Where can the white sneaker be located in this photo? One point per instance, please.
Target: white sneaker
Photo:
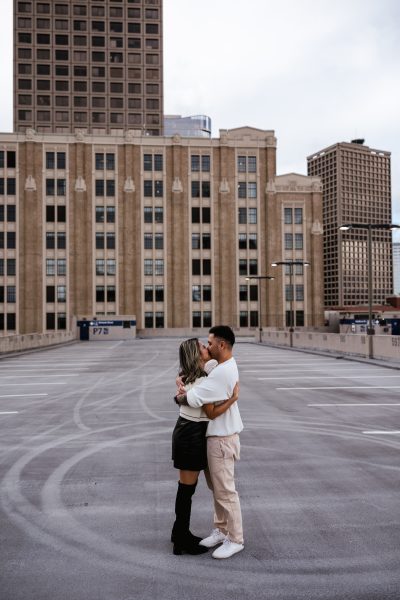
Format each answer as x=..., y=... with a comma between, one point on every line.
x=227, y=549
x=212, y=540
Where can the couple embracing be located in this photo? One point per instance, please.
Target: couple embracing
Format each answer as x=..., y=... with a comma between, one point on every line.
x=206, y=437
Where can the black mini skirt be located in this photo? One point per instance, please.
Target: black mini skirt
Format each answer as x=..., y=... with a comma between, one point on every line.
x=189, y=445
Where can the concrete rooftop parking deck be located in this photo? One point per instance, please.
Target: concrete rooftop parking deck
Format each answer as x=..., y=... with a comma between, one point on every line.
x=87, y=486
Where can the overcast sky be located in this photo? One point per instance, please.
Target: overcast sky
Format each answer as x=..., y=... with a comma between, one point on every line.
x=315, y=71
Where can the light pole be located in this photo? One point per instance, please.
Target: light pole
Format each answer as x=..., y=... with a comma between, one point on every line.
x=290, y=264
x=369, y=227
x=259, y=278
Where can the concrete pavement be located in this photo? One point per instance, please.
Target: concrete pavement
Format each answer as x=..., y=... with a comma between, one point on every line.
x=87, y=486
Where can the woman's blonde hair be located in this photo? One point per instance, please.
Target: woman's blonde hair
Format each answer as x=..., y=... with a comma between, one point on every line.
x=190, y=361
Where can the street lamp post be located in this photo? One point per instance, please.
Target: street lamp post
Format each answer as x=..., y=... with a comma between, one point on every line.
x=369, y=227
x=259, y=278
x=290, y=264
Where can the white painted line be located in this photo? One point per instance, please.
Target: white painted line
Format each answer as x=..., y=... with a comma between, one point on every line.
x=35, y=383
x=382, y=432
x=21, y=395
x=10, y=412
x=37, y=376
x=358, y=404
x=333, y=377
x=346, y=387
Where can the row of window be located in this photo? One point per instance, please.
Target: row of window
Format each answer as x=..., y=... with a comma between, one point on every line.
x=298, y=241
x=7, y=186
x=56, y=293
x=8, y=213
x=82, y=41
x=83, y=101
x=78, y=25
x=81, y=86
x=158, y=242
x=105, y=240
x=8, y=322
x=56, y=320
x=105, y=293
x=56, y=266
x=154, y=293
x=8, y=294
x=8, y=267
x=293, y=216
x=79, y=9
x=105, y=267
x=152, y=319
x=154, y=267
x=8, y=240
x=56, y=240
x=7, y=159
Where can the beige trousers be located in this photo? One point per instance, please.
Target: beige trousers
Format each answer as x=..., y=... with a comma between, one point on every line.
x=222, y=451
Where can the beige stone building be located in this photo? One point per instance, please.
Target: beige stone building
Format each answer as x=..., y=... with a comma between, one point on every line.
x=356, y=189
x=97, y=66
x=164, y=228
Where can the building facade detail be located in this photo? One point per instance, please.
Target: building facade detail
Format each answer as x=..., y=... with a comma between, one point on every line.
x=178, y=252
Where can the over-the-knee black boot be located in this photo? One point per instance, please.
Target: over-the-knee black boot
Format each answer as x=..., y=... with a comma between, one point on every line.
x=182, y=538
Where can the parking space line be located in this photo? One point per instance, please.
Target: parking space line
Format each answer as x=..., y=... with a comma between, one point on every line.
x=358, y=404
x=9, y=412
x=35, y=383
x=21, y=395
x=344, y=387
x=381, y=432
x=350, y=376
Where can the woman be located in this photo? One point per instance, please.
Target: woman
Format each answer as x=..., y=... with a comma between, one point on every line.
x=189, y=446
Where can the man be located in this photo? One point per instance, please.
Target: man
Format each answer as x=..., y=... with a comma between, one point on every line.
x=223, y=444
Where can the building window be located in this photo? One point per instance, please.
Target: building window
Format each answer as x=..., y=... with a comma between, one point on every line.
x=196, y=318
x=110, y=237
x=242, y=216
x=148, y=241
x=252, y=215
x=196, y=293
x=148, y=266
x=148, y=214
x=100, y=293
x=158, y=214
x=148, y=320
x=243, y=318
x=99, y=240
x=253, y=268
x=288, y=241
x=288, y=216
x=100, y=266
x=300, y=292
x=195, y=241
x=298, y=241
x=243, y=292
x=298, y=216
x=159, y=266
x=242, y=189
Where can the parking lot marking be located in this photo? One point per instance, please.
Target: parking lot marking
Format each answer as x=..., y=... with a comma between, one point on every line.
x=9, y=412
x=382, y=432
x=35, y=383
x=21, y=395
x=358, y=404
x=345, y=387
x=350, y=376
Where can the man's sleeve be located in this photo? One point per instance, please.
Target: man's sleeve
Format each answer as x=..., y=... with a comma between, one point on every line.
x=208, y=391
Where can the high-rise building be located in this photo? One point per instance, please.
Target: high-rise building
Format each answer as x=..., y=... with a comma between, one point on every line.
x=164, y=228
x=396, y=268
x=356, y=189
x=193, y=126
x=96, y=66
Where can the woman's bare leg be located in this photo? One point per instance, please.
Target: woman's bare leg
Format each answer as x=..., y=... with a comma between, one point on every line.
x=188, y=477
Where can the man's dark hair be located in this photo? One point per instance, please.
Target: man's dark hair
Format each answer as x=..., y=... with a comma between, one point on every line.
x=224, y=332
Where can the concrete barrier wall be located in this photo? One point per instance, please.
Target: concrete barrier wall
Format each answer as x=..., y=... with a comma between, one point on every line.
x=18, y=343
x=189, y=332
x=385, y=347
